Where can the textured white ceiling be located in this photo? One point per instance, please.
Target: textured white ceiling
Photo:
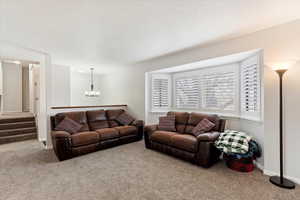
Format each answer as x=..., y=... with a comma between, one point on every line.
x=120, y=32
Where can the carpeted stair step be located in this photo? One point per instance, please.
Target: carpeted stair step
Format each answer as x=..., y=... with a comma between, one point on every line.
x=17, y=138
x=17, y=125
x=19, y=119
x=18, y=131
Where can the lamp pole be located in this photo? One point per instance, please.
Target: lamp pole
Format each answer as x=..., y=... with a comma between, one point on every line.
x=281, y=181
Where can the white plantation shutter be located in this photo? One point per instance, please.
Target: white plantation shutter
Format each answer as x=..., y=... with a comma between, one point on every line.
x=233, y=89
x=160, y=92
x=219, y=90
x=187, y=92
x=250, y=88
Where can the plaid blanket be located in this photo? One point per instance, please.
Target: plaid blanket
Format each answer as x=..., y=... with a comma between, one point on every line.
x=233, y=142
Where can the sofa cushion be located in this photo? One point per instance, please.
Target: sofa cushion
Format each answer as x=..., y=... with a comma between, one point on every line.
x=68, y=125
x=84, y=138
x=195, y=118
x=97, y=119
x=126, y=130
x=108, y=133
x=167, y=123
x=79, y=117
x=163, y=137
x=125, y=118
x=185, y=142
x=181, y=119
x=203, y=126
x=112, y=115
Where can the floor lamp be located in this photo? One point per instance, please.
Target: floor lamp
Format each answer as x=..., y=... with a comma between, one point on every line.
x=280, y=181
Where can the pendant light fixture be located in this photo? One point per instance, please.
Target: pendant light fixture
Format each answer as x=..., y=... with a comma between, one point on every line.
x=92, y=93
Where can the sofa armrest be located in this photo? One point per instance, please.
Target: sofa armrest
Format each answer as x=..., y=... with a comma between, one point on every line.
x=207, y=154
x=139, y=124
x=60, y=134
x=210, y=136
x=149, y=129
x=62, y=144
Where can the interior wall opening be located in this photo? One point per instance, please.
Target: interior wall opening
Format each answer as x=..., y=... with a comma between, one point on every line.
x=19, y=88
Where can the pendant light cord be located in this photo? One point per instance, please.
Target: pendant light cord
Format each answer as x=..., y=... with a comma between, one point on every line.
x=92, y=79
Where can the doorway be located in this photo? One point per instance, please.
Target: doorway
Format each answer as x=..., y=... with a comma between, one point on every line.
x=19, y=87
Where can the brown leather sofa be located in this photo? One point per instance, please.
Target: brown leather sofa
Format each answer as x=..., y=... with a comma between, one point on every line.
x=182, y=143
x=99, y=130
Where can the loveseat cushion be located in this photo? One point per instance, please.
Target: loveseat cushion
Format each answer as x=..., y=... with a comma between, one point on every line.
x=203, y=126
x=163, y=137
x=84, y=138
x=126, y=130
x=181, y=119
x=79, y=117
x=167, y=123
x=195, y=118
x=97, y=119
x=112, y=115
x=185, y=142
x=107, y=133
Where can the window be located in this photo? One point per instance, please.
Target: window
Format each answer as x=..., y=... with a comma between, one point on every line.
x=160, y=92
x=250, y=88
x=232, y=89
x=219, y=90
x=187, y=92
x=208, y=89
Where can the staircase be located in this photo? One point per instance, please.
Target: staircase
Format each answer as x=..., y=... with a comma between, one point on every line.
x=17, y=129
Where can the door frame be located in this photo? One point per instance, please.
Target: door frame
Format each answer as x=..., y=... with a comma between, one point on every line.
x=34, y=86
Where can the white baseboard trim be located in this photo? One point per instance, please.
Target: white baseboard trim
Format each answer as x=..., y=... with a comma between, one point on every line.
x=48, y=146
x=259, y=166
x=271, y=173
x=45, y=145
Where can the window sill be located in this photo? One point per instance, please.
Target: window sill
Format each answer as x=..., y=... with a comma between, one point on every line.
x=222, y=115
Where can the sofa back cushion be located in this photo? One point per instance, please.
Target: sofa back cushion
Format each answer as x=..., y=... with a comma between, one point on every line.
x=97, y=119
x=79, y=117
x=181, y=119
x=112, y=115
x=195, y=118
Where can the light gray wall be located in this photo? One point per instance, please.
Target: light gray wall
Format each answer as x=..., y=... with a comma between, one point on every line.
x=280, y=44
x=61, y=87
x=80, y=82
x=69, y=85
x=12, y=87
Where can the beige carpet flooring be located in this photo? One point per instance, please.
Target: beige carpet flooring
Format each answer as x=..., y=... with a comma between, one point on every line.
x=128, y=172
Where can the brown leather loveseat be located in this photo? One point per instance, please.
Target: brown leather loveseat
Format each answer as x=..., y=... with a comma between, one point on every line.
x=199, y=150
x=99, y=130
